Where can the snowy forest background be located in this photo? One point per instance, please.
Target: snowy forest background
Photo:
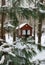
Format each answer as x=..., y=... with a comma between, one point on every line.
x=22, y=51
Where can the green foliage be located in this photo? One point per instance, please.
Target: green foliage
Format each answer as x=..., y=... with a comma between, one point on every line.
x=23, y=55
x=26, y=12
x=34, y=14
x=23, y=50
x=42, y=7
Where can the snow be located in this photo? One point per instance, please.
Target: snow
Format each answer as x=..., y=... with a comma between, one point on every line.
x=32, y=5
x=19, y=46
x=43, y=26
x=9, y=39
x=42, y=39
x=21, y=25
x=42, y=3
x=9, y=3
x=4, y=6
x=8, y=62
x=12, y=54
x=31, y=41
x=0, y=25
x=7, y=49
x=1, y=48
x=42, y=11
x=17, y=40
x=40, y=56
x=8, y=25
x=1, y=40
x=24, y=4
x=2, y=59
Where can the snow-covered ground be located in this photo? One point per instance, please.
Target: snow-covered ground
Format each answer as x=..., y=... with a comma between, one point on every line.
x=41, y=55
x=9, y=39
x=42, y=39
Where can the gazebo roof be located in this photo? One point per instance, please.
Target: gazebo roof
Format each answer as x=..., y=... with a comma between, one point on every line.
x=21, y=25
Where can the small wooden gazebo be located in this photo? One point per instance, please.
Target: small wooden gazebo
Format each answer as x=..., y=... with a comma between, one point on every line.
x=24, y=30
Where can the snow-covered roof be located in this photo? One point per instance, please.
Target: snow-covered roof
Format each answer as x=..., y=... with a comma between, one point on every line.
x=21, y=25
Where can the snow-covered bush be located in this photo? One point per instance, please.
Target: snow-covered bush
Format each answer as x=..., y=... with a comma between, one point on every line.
x=24, y=51
x=5, y=52
x=19, y=53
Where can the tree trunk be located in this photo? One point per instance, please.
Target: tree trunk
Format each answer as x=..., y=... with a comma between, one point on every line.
x=34, y=29
x=2, y=21
x=14, y=35
x=39, y=28
x=2, y=30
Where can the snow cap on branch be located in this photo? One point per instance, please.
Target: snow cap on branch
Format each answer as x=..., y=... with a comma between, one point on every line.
x=2, y=59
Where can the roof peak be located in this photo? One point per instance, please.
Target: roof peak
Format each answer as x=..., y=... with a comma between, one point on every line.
x=21, y=25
